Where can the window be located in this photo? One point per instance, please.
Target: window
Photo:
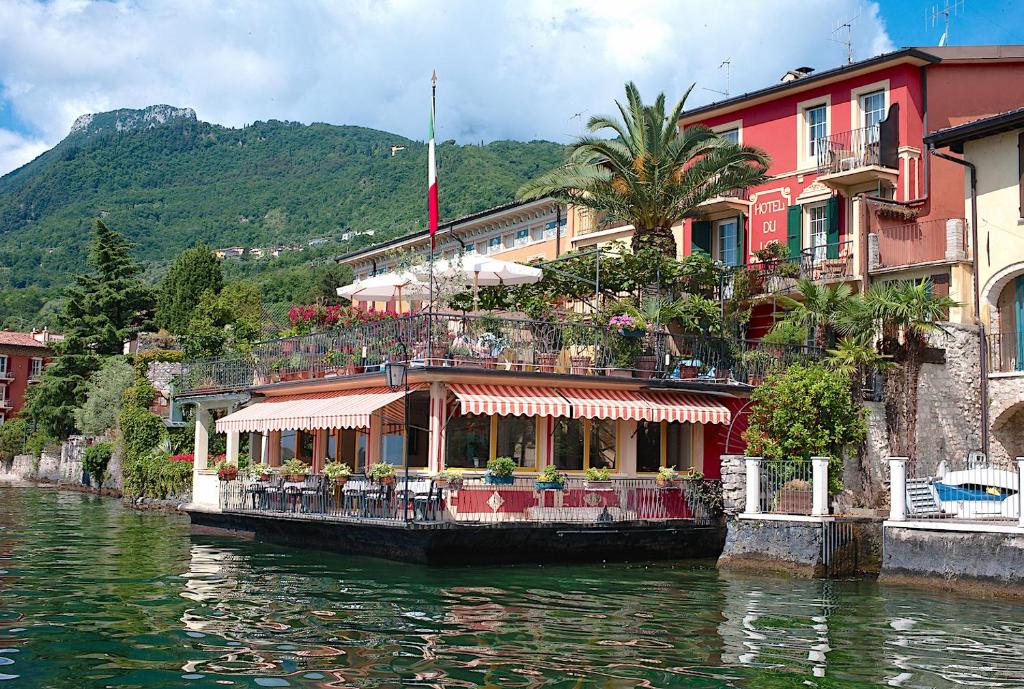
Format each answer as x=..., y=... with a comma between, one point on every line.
x=549, y=228
x=287, y=445
x=494, y=245
x=872, y=108
x=583, y=443
x=481, y=248
x=522, y=236
x=816, y=119
x=37, y=368
x=517, y=438
x=468, y=442
x=728, y=242
x=818, y=230
x=731, y=135
x=3, y=365
x=665, y=444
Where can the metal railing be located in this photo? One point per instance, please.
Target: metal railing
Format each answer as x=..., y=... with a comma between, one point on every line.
x=773, y=276
x=846, y=151
x=920, y=242
x=970, y=489
x=786, y=486
x=1005, y=352
x=470, y=501
x=832, y=261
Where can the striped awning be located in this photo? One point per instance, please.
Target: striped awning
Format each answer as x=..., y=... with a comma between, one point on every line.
x=684, y=406
x=606, y=404
x=333, y=409
x=510, y=400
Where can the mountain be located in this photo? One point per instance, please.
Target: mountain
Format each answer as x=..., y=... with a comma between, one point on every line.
x=168, y=180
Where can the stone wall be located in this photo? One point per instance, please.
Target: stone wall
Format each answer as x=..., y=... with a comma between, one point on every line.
x=1006, y=416
x=734, y=484
x=58, y=464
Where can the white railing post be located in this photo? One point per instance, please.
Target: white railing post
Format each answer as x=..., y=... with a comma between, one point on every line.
x=753, y=505
x=897, y=489
x=1020, y=486
x=819, y=486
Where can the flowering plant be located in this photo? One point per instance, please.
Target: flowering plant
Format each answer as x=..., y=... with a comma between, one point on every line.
x=625, y=324
x=183, y=457
x=316, y=317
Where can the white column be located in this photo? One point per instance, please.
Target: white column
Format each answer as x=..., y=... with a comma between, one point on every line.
x=231, y=455
x=897, y=489
x=438, y=397
x=1020, y=493
x=819, y=486
x=753, y=485
x=201, y=451
x=373, y=444
x=627, y=447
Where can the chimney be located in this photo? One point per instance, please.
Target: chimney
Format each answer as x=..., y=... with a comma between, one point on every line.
x=794, y=74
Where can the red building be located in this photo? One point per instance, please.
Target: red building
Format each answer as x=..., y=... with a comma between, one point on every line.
x=22, y=358
x=855, y=195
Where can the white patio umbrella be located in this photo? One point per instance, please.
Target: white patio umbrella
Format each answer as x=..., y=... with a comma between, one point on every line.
x=385, y=287
x=477, y=271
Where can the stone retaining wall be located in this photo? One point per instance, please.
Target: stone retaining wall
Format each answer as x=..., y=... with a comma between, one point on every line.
x=734, y=484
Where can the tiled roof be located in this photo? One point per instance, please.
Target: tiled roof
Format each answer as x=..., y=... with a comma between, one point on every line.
x=16, y=339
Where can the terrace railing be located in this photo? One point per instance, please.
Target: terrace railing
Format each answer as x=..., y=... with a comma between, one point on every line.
x=471, y=501
x=846, y=151
x=787, y=486
x=833, y=261
x=921, y=242
x=963, y=488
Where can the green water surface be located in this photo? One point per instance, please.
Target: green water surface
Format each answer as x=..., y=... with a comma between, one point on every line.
x=95, y=595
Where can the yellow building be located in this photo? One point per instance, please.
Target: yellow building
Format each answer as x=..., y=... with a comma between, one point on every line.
x=993, y=148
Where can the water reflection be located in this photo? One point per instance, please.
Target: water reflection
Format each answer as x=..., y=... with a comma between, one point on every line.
x=92, y=595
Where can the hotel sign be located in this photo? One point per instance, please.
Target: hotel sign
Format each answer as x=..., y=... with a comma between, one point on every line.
x=768, y=216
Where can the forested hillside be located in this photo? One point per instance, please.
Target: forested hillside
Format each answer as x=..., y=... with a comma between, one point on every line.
x=167, y=181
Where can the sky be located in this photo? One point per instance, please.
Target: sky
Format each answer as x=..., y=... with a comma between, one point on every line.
x=507, y=69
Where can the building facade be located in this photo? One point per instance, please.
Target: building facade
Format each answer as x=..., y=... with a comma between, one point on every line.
x=22, y=358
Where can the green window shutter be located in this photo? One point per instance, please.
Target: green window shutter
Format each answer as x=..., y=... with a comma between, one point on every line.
x=832, y=219
x=794, y=230
x=700, y=237
x=741, y=244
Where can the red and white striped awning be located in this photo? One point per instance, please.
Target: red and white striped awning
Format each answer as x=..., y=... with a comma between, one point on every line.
x=684, y=406
x=510, y=400
x=606, y=404
x=334, y=409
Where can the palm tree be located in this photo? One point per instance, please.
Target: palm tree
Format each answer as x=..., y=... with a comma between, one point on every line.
x=905, y=314
x=651, y=175
x=820, y=309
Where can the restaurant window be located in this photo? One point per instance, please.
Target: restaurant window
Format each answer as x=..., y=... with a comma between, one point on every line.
x=305, y=445
x=648, y=447
x=468, y=442
x=516, y=437
x=580, y=444
x=665, y=444
x=348, y=446
x=679, y=446
x=288, y=445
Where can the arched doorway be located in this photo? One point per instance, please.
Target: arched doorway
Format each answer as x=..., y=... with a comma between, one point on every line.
x=1004, y=297
x=1008, y=434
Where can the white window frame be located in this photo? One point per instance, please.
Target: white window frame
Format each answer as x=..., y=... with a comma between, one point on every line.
x=35, y=367
x=5, y=364
x=857, y=104
x=806, y=159
x=719, y=249
x=818, y=251
x=736, y=125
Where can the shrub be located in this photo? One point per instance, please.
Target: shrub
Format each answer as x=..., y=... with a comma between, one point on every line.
x=807, y=411
x=96, y=459
x=551, y=474
x=106, y=389
x=141, y=434
x=12, y=439
x=37, y=442
x=156, y=476
x=597, y=474
x=381, y=470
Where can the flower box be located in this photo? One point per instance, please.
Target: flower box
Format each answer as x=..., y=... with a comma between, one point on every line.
x=499, y=480
x=549, y=485
x=646, y=365
x=598, y=485
x=580, y=365
x=546, y=361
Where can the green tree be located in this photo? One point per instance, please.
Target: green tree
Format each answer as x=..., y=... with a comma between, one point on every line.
x=229, y=320
x=193, y=272
x=141, y=434
x=96, y=459
x=821, y=309
x=105, y=307
x=807, y=411
x=651, y=175
x=12, y=438
x=99, y=413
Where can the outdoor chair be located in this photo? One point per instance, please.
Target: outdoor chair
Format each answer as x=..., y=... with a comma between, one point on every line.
x=352, y=496
x=256, y=492
x=273, y=496
x=313, y=493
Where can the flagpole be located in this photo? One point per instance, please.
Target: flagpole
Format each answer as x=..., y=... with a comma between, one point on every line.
x=432, y=230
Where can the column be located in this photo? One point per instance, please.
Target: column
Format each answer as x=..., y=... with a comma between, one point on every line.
x=265, y=448
x=1020, y=485
x=437, y=435
x=201, y=450
x=274, y=453
x=231, y=454
x=627, y=447
x=373, y=443
x=753, y=485
x=897, y=488
x=819, y=486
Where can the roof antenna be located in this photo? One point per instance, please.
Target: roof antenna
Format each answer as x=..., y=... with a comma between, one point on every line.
x=848, y=41
x=727, y=63
x=947, y=10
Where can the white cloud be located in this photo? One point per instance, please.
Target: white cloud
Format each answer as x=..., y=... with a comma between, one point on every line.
x=16, y=150
x=507, y=69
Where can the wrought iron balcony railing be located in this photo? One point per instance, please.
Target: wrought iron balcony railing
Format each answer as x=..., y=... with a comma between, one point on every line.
x=847, y=151
x=825, y=262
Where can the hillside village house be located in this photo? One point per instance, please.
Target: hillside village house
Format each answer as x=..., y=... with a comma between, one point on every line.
x=22, y=358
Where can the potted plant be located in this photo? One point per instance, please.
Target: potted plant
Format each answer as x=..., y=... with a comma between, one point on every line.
x=383, y=473
x=500, y=471
x=667, y=476
x=334, y=362
x=550, y=479
x=295, y=470
x=546, y=361
x=463, y=356
x=597, y=478
x=225, y=471
x=337, y=472
x=258, y=472
x=449, y=478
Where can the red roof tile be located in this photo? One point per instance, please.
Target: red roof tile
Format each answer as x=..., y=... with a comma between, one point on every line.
x=16, y=339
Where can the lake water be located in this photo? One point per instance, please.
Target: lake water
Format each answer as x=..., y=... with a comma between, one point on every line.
x=94, y=595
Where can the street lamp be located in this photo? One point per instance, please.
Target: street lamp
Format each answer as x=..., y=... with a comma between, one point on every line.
x=396, y=377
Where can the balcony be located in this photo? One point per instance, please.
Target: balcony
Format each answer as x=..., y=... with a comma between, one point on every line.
x=471, y=343
x=774, y=276
x=6, y=375
x=734, y=201
x=6, y=404
x=931, y=241
x=828, y=262
x=1005, y=353
x=859, y=156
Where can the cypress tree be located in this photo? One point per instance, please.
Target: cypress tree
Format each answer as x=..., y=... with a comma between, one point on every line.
x=193, y=272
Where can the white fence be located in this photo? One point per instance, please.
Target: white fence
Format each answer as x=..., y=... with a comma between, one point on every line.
x=977, y=492
x=787, y=487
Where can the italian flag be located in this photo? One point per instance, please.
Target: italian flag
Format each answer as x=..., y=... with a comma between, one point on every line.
x=432, y=180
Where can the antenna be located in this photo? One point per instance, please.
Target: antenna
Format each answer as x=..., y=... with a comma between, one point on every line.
x=727, y=63
x=948, y=9
x=578, y=116
x=848, y=41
